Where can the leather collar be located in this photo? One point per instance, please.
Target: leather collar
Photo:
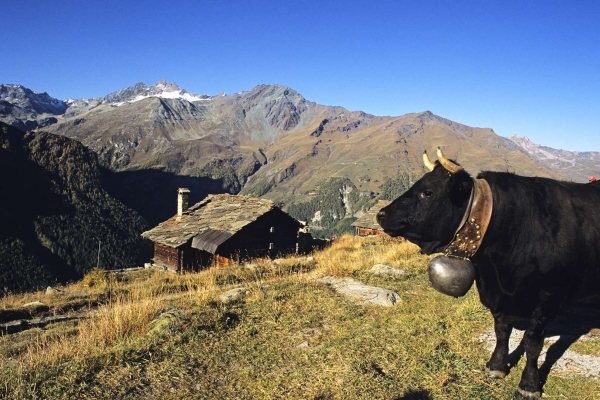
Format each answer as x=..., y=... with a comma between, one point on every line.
x=476, y=220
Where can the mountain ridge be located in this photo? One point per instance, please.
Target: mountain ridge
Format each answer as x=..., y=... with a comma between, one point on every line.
x=578, y=165
x=271, y=142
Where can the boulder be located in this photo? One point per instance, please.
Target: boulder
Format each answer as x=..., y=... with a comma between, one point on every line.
x=50, y=290
x=386, y=270
x=253, y=267
x=357, y=290
x=33, y=304
x=167, y=322
x=233, y=295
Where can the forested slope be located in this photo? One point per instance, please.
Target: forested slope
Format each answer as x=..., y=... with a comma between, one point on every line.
x=54, y=212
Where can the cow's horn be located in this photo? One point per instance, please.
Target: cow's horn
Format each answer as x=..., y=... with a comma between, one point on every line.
x=428, y=164
x=452, y=167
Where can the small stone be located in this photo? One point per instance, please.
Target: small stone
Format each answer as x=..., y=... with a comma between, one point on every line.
x=233, y=295
x=386, y=270
x=51, y=290
x=65, y=364
x=33, y=304
x=356, y=290
x=167, y=322
x=304, y=344
x=253, y=267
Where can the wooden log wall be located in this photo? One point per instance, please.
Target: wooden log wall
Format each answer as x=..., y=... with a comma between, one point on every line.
x=194, y=259
x=220, y=261
x=367, y=232
x=272, y=234
x=167, y=255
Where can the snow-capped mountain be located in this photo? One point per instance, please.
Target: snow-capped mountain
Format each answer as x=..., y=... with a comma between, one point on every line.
x=161, y=89
x=133, y=94
x=578, y=165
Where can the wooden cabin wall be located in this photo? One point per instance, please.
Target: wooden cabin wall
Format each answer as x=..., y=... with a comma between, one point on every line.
x=256, y=238
x=366, y=232
x=220, y=261
x=166, y=255
x=194, y=259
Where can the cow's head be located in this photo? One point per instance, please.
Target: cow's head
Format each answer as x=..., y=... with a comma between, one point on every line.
x=429, y=213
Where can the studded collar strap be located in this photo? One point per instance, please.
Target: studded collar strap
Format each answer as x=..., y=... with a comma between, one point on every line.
x=472, y=229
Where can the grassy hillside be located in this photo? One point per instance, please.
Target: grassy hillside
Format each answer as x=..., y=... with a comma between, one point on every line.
x=147, y=334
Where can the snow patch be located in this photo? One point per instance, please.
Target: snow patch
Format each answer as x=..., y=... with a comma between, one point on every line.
x=172, y=95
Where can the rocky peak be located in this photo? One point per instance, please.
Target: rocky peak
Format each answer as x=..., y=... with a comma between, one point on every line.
x=161, y=89
x=126, y=94
x=162, y=86
x=531, y=148
x=30, y=101
x=281, y=106
x=577, y=165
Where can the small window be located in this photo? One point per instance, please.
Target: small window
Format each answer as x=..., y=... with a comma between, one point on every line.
x=272, y=229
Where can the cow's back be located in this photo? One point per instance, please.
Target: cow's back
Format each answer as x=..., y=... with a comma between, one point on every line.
x=544, y=234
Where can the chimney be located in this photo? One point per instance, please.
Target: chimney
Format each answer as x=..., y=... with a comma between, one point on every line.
x=182, y=201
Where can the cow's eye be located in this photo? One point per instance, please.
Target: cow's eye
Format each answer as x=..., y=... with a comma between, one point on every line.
x=426, y=193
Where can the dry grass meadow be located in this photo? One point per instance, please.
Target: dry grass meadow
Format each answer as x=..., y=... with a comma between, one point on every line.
x=148, y=334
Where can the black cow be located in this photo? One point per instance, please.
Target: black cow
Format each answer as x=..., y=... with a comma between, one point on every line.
x=541, y=248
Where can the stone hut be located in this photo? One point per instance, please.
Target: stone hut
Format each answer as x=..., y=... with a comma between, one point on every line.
x=220, y=228
x=367, y=224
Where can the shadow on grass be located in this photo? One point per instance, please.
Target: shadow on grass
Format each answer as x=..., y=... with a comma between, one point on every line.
x=415, y=395
x=574, y=321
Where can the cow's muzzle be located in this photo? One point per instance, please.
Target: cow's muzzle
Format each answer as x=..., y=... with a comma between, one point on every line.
x=381, y=218
x=390, y=225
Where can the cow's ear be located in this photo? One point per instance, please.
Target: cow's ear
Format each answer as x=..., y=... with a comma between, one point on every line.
x=461, y=190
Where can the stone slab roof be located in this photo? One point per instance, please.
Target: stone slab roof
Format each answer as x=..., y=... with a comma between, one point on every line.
x=218, y=212
x=368, y=220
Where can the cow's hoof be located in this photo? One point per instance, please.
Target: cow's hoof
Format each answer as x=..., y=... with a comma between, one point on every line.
x=524, y=394
x=494, y=373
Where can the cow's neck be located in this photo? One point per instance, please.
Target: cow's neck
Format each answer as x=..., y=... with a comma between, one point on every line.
x=471, y=231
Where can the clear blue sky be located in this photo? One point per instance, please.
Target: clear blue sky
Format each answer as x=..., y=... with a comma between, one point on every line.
x=529, y=68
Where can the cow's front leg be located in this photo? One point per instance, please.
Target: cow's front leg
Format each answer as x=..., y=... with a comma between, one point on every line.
x=529, y=387
x=533, y=340
x=497, y=367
